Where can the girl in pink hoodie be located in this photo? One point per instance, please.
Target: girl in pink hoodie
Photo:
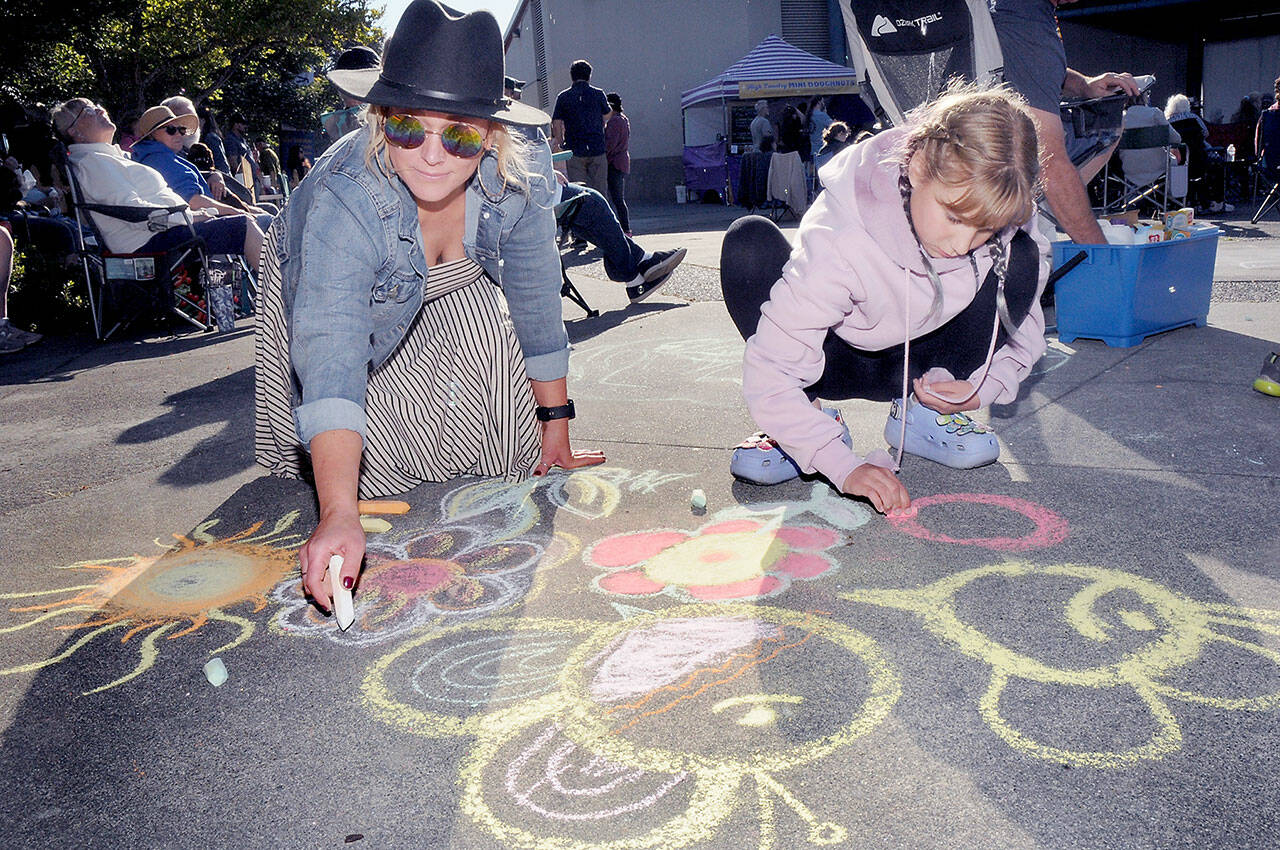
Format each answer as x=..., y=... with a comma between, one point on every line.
x=918, y=268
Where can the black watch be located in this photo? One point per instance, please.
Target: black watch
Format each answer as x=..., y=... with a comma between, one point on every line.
x=564, y=411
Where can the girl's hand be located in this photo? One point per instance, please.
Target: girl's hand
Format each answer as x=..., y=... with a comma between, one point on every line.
x=930, y=395
x=337, y=534
x=879, y=486
x=557, y=452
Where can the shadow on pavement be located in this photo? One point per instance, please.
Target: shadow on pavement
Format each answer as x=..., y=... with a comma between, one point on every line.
x=227, y=400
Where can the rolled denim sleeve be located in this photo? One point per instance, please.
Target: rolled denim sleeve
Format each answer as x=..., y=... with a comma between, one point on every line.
x=331, y=326
x=531, y=278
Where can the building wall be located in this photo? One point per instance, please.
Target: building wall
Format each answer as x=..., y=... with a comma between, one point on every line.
x=1092, y=51
x=647, y=52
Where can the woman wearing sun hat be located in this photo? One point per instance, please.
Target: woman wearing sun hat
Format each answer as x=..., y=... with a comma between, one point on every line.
x=159, y=145
x=385, y=347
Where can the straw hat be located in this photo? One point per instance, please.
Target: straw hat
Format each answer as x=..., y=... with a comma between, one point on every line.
x=159, y=116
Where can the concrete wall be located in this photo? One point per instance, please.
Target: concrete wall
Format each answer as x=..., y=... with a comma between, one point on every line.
x=1094, y=51
x=647, y=52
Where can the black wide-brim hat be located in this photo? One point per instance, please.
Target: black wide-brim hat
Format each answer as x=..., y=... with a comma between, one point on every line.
x=441, y=60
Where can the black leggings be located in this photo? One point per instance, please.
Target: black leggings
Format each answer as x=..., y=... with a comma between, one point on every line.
x=751, y=262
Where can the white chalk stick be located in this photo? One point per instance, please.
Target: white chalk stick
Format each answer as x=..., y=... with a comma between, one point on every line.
x=344, y=609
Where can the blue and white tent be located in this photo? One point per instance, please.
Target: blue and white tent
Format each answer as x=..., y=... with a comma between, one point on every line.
x=772, y=69
x=770, y=61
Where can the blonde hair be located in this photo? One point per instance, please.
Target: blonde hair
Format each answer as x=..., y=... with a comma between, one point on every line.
x=512, y=151
x=983, y=141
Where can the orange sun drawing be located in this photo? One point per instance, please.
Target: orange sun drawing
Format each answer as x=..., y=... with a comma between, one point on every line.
x=197, y=580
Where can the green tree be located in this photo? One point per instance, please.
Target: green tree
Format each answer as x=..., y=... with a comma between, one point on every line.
x=130, y=55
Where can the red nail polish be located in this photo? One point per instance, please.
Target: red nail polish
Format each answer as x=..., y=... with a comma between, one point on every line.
x=347, y=581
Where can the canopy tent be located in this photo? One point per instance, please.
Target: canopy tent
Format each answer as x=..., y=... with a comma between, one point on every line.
x=773, y=68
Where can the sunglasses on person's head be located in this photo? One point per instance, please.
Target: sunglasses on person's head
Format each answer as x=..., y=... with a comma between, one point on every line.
x=177, y=130
x=458, y=138
x=86, y=108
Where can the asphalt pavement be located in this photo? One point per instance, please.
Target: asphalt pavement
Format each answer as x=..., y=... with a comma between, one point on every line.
x=1075, y=647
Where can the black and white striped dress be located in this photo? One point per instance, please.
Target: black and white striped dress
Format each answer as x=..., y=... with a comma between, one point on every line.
x=453, y=399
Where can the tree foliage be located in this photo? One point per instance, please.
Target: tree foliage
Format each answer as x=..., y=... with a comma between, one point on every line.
x=241, y=54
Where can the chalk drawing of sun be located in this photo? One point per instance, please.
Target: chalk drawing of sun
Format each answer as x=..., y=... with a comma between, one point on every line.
x=447, y=572
x=196, y=582
x=723, y=560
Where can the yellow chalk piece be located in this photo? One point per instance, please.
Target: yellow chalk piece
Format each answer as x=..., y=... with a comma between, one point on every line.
x=382, y=506
x=374, y=525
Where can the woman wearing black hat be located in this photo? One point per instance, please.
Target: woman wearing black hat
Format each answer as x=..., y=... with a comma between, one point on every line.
x=385, y=346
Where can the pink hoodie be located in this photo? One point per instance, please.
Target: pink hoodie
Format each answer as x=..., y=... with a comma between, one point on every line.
x=856, y=269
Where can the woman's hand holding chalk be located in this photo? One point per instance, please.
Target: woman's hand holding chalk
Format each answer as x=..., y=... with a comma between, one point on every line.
x=343, y=608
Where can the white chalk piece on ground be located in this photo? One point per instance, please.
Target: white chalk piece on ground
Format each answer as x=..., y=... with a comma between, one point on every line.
x=698, y=499
x=343, y=608
x=374, y=524
x=215, y=671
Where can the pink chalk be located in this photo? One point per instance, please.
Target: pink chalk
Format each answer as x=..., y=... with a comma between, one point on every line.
x=903, y=513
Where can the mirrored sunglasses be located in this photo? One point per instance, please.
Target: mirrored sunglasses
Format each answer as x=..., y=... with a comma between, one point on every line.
x=177, y=130
x=458, y=138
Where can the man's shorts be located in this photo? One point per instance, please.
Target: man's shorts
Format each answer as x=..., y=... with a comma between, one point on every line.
x=222, y=235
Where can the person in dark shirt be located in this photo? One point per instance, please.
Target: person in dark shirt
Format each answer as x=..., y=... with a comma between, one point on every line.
x=577, y=124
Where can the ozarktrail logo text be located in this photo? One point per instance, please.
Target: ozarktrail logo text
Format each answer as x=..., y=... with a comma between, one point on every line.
x=883, y=26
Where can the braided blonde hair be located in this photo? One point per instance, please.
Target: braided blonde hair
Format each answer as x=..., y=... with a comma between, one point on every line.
x=983, y=142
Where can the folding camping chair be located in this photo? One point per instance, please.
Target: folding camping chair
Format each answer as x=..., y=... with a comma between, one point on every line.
x=1159, y=191
x=907, y=50
x=130, y=285
x=566, y=211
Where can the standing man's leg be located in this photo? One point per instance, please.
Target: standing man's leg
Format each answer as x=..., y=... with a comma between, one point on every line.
x=598, y=174
x=576, y=168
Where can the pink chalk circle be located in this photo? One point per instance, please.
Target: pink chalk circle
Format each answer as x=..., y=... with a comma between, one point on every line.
x=1050, y=529
x=802, y=565
x=807, y=537
x=746, y=589
x=631, y=583
x=624, y=550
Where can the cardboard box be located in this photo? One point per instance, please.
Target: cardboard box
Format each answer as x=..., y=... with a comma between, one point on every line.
x=1121, y=294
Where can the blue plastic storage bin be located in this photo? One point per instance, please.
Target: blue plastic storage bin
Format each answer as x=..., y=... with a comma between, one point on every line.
x=1122, y=294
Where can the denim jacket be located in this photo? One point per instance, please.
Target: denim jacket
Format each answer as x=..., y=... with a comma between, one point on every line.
x=353, y=274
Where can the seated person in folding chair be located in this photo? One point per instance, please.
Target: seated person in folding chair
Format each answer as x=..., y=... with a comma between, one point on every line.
x=217, y=172
x=159, y=145
x=1267, y=144
x=1035, y=66
x=643, y=272
x=1208, y=191
x=108, y=176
